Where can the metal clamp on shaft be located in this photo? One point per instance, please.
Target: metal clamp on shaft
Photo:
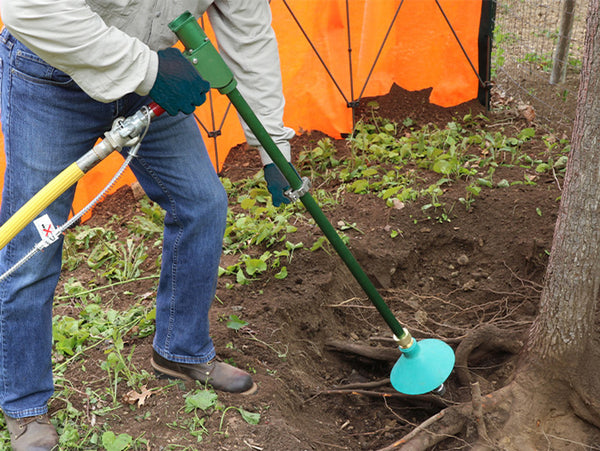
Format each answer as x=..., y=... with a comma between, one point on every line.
x=294, y=195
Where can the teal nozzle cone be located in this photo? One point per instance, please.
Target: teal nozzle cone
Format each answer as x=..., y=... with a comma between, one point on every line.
x=422, y=367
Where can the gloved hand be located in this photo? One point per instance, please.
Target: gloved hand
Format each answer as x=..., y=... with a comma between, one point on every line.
x=178, y=86
x=277, y=184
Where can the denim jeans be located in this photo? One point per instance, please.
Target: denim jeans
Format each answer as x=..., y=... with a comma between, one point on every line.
x=48, y=123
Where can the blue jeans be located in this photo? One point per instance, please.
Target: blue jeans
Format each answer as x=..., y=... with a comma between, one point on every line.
x=48, y=123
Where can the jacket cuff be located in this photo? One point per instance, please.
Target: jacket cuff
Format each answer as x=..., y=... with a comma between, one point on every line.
x=148, y=82
x=284, y=147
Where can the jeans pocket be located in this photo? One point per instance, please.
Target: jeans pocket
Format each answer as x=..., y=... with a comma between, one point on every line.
x=31, y=67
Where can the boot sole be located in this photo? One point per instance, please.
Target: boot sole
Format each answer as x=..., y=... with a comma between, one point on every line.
x=165, y=373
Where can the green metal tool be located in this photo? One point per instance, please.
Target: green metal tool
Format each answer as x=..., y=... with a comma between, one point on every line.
x=421, y=368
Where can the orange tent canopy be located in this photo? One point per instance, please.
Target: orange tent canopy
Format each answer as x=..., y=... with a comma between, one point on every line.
x=407, y=42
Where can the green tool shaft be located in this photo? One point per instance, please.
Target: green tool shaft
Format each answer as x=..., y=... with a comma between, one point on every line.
x=316, y=212
x=211, y=66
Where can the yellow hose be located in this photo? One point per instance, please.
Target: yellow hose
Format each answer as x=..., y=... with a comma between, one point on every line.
x=39, y=202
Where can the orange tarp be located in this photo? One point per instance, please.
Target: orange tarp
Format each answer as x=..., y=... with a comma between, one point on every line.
x=420, y=52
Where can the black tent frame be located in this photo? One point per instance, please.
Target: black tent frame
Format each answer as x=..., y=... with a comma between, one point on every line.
x=483, y=72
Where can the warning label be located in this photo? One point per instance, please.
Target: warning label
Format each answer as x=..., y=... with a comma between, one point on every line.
x=44, y=226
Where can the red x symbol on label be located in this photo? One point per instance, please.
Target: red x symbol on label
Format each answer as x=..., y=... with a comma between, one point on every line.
x=47, y=229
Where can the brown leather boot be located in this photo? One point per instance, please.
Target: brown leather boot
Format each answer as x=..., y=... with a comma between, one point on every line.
x=219, y=375
x=32, y=433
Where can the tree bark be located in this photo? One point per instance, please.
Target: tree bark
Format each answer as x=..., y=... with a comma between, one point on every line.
x=562, y=330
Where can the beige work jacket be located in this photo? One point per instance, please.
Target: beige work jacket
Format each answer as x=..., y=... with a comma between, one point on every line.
x=109, y=47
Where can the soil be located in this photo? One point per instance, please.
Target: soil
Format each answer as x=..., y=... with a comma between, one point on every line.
x=442, y=276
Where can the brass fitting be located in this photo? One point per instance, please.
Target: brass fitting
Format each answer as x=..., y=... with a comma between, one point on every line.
x=406, y=340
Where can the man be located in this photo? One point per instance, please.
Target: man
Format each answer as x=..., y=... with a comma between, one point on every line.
x=69, y=68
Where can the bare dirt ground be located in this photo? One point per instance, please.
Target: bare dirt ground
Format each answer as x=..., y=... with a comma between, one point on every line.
x=441, y=279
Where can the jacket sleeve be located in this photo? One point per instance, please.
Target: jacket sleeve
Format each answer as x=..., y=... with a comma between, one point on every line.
x=104, y=61
x=248, y=45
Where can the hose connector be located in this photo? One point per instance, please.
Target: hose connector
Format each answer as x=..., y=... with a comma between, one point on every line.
x=406, y=340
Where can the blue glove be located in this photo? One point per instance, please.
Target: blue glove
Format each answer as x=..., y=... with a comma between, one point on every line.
x=277, y=184
x=178, y=87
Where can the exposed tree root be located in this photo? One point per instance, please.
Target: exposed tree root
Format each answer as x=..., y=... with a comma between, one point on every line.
x=486, y=337
x=583, y=397
x=429, y=399
x=371, y=352
x=453, y=420
x=478, y=412
x=492, y=421
x=584, y=409
x=442, y=425
x=371, y=384
x=502, y=421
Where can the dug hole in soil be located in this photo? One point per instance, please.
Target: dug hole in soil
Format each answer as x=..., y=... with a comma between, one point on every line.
x=441, y=277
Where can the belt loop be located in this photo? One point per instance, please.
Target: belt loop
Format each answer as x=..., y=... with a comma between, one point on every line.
x=7, y=38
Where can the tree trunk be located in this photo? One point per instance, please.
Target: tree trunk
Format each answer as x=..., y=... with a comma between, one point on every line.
x=562, y=330
x=561, y=52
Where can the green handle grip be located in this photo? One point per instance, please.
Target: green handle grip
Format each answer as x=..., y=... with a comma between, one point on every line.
x=202, y=54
